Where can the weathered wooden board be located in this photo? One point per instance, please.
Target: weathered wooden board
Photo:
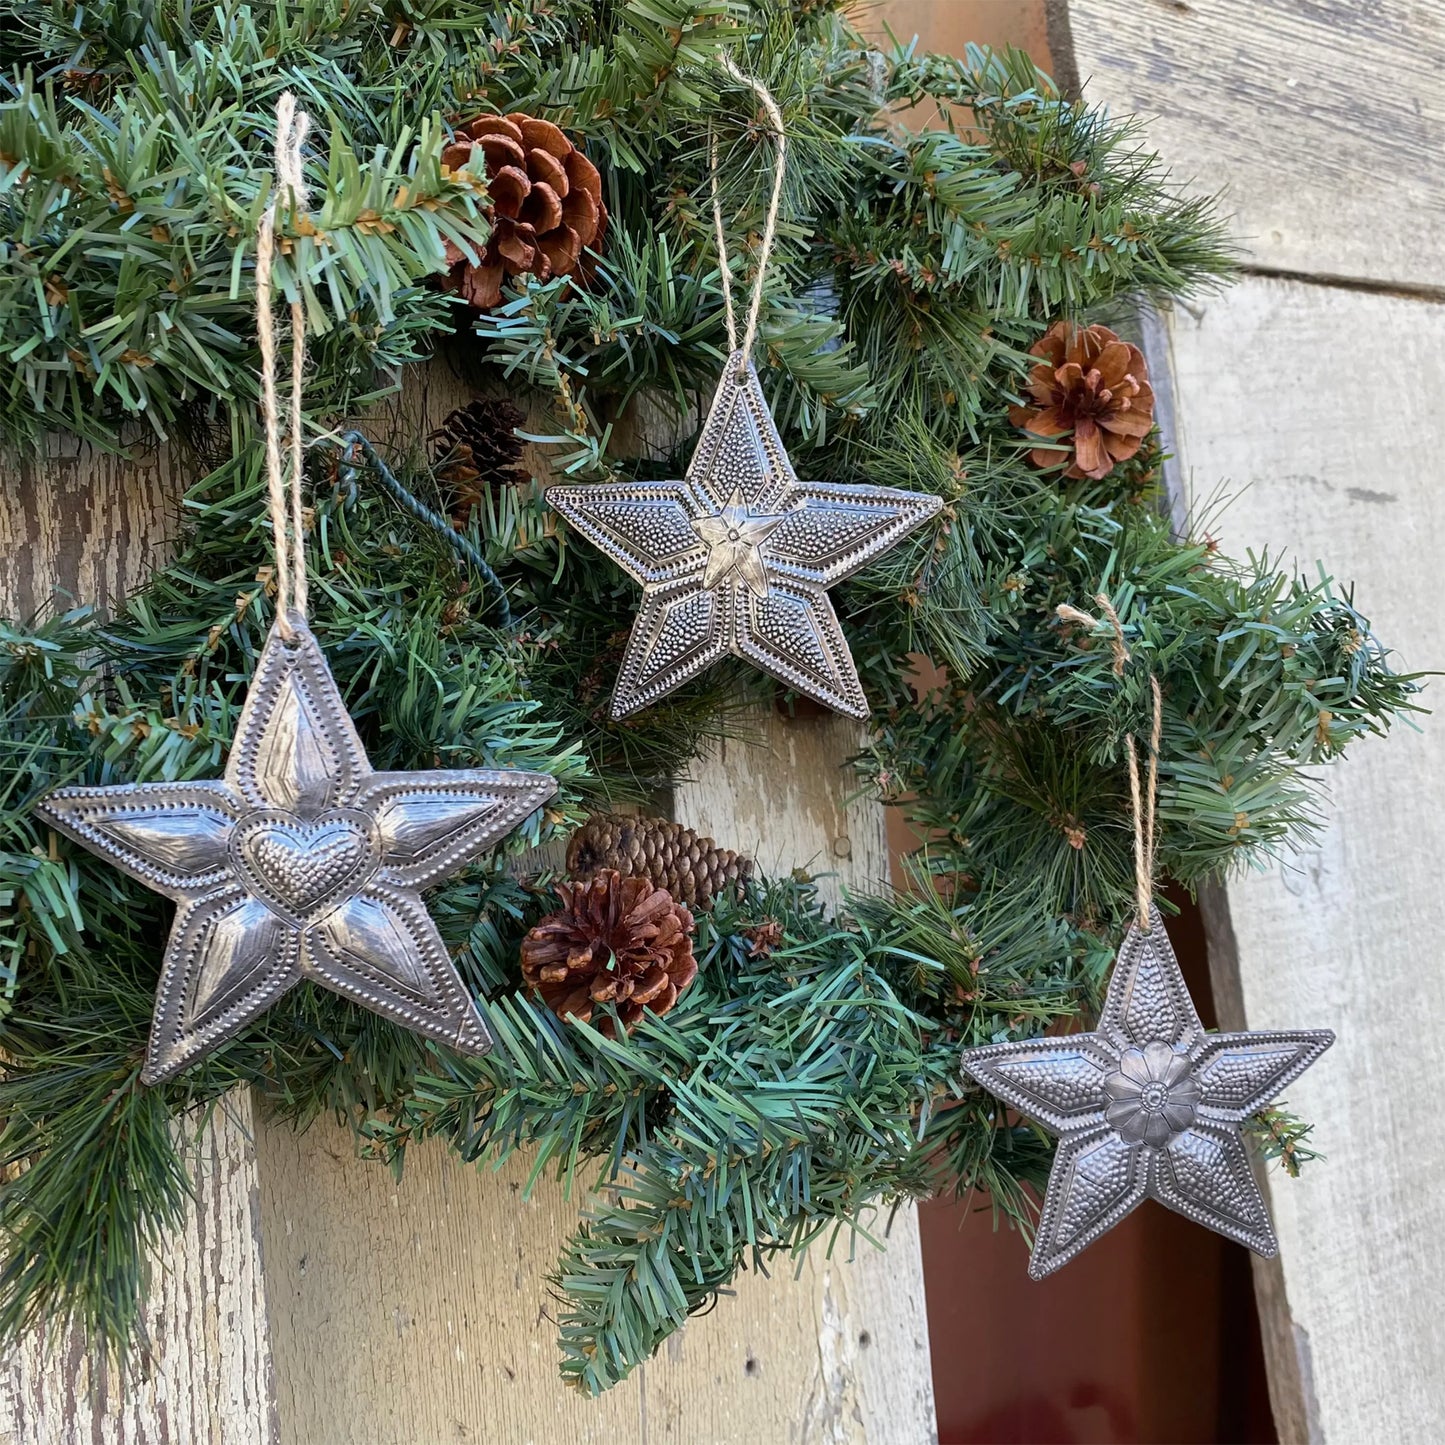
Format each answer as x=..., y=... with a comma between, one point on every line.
x=785, y=799
x=82, y=528
x=1323, y=121
x=1318, y=409
x=422, y=1312
x=208, y=1378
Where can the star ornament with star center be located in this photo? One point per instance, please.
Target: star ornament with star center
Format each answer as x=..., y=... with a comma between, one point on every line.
x=738, y=556
x=1149, y=1106
x=302, y=862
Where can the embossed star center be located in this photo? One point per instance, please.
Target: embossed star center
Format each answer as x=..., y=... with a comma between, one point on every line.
x=1149, y=1106
x=739, y=556
x=302, y=862
x=732, y=538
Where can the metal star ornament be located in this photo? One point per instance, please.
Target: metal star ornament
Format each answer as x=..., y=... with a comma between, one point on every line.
x=1147, y=1107
x=738, y=557
x=301, y=863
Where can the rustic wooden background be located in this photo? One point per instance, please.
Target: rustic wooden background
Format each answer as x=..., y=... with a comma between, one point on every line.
x=310, y=1301
x=1309, y=395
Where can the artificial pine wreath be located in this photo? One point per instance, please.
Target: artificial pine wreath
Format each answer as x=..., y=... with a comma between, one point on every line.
x=915, y=271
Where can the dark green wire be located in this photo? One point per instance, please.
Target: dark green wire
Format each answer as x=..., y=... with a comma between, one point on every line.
x=353, y=442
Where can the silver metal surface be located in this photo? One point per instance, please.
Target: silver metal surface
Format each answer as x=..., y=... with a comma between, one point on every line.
x=301, y=863
x=1147, y=1107
x=739, y=555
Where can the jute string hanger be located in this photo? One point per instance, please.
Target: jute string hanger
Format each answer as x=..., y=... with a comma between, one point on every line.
x=1144, y=799
x=770, y=225
x=287, y=522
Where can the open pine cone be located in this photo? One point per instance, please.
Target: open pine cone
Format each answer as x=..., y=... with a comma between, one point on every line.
x=615, y=940
x=546, y=204
x=1093, y=385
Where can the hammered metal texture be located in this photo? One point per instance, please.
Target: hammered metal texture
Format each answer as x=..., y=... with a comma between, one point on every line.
x=301, y=863
x=1147, y=1107
x=739, y=555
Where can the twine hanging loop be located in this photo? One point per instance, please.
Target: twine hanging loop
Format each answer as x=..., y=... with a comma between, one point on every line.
x=1143, y=799
x=770, y=226
x=287, y=515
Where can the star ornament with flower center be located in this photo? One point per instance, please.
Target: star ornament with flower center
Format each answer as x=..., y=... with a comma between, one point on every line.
x=738, y=557
x=302, y=862
x=1147, y=1107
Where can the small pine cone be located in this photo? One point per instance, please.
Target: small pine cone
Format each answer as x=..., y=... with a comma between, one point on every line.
x=545, y=206
x=615, y=940
x=475, y=450
x=693, y=869
x=763, y=938
x=1093, y=385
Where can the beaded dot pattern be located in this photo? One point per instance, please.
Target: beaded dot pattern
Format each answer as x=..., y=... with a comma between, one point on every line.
x=738, y=556
x=1176, y=1095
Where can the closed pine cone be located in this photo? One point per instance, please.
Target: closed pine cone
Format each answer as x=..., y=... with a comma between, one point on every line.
x=1093, y=385
x=546, y=204
x=615, y=940
x=476, y=449
x=692, y=868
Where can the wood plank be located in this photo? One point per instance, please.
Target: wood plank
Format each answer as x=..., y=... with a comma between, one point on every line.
x=208, y=1374
x=83, y=527
x=786, y=799
x=423, y=1312
x=1337, y=461
x=1323, y=121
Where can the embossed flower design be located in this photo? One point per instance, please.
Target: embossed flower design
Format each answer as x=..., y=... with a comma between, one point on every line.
x=1148, y=1106
x=302, y=862
x=1154, y=1095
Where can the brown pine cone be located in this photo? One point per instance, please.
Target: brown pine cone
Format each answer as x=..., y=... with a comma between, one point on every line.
x=475, y=450
x=615, y=940
x=1093, y=385
x=763, y=938
x=546, y=204
x=693, y=869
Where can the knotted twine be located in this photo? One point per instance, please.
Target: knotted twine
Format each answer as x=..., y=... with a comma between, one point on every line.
x=288, y=534
x=1143, y=800
x=770, y=226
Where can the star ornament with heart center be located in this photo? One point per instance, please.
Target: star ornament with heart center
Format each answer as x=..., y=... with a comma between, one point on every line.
x=302, y=862
x=738, y=556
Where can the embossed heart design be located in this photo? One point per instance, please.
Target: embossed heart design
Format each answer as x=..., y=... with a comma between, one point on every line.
x=300, y=867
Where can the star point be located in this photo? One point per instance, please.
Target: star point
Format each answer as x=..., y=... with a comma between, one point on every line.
x=1147, y=1106
x=301, y=861
x=738, y=556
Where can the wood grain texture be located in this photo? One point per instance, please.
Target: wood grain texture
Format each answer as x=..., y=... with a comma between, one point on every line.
x=787, y=799
x=82, y=527
x=207, y=1379
x=1322, y=121
x=1340, y=463
x=422, y=1312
